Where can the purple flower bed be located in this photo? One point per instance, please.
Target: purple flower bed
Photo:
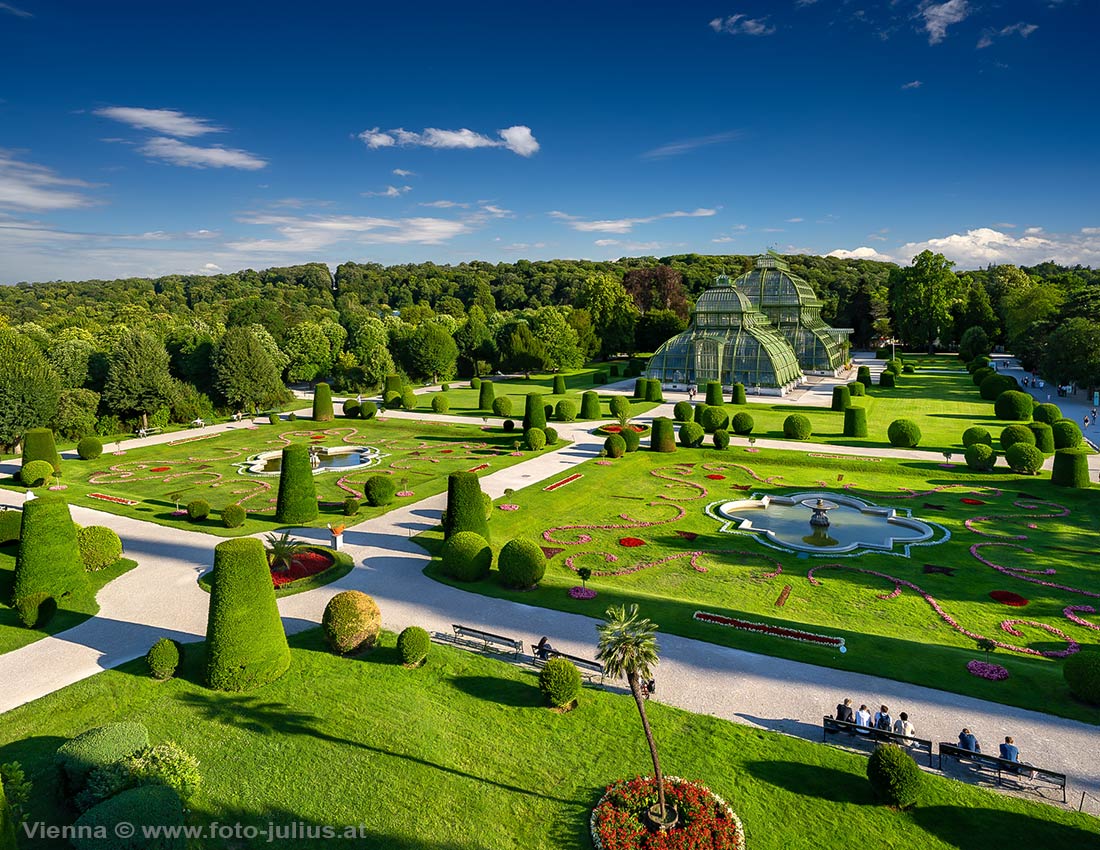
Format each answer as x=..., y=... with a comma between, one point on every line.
x=582, y=593
x=986, y=670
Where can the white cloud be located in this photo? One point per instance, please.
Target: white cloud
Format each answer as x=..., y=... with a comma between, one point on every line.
x=304, y=235
x=19, y=13
x=989, y=36
x=444, y=205
x=388, y=192
x=628, y=246
x=772, y=230
x=984, y=245
x=741, y=24
x=862, y=253
x=1033, y=231
x=685, y=145
x=28, y=186
x=1004, y=225
x=740, y=227
x=401, y=172
x=495, y=211
x=212, y=267
x=939, y=16
x=169, y=122
x=721, y=239
x=794, y=220
x=912, y=84
x=517, y=139
x=1091, y=231
x=624, y=225
x=180, y=153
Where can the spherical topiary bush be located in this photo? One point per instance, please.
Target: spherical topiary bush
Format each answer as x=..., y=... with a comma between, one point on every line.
x=691, y=435
x=895, y=778
x=534, y=413
x=89, y=448
x=502, y=406
x=886, y=379
x=465, y=505
x=351, y=506
x=653, y=391
x=551, y=435
x=1071, y=468
x=48, y=564
x=590, y=405
x=148, y=809
x=797, y=427
x=475, y=383
x=322, y=402
x=98, y=747
x=619, y=406
x=413, y=645
x=980, y=457
x=855, y=422
x=379, y=490
x=440, y=404
x=36, y=473
x=233, y=516
x=486, y=395
x=535, y=439
x=1044, y=437
x=466, y=556
x=351, y=622
x=1024, y=459
x=38, y=444
x=983, y=362
x=100, y=547
x=856, y=389
x=1047, y=412
x=559, y=385
x=903, y=433
x=522, y=563
x=198, y=510
x=565, y=411
x=560, y=682
x=350, y=408
x=977, y=434
x=296, y=500
x=368, y=410
x=742, y=423
x=682, y=412
x=1012, y=434
x=245, y=643
x=1066, y=434
x=1013, y=406
x=714, y=393
x=392, y=400
x=995, y=384
x=408, y=399
x=273, y=419
x=714, y=418
x=163, y=658
x=842, y=398
x=981, y=374
x=721, y=439
x=662, y=438
x=737, y=395
x=908, y=369
x=894, y=366
x=615, y=446
x=1082, y=674
x=509, y=426
x=863, y=375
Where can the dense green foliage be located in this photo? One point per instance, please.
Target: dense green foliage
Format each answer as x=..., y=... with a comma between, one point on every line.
x=1071, y=467
x=856, y=389
x=413, y=645
x=351, y=408
x=1024, y=459
x=379, y=490
x=855, y=422
x=534, y=412
x=100, y=546
x=797, y=427
x=322, y=403
x=89, y=448
x=663, y=436
x=590, y=405
x=721, y=439
x=1044, y=436
x=48, y=564
x=29, y=387
x=148, y=806
x=1082, y=673
x=977, y=434
x=980, y=457
x=904, y=433
x=535, y=438
x=714, y=393
x=842, y=397
x=995, y=384
x=742, y=423
x=7, y=823
x=1047, y=412
x=714, y=418
x=351, y=622
x=737, y=394
x=895, y=778
x=485, y=397
x=297, y=496
x=466, y=556
x=502, y=406
x=691, y=435
x=465, y=505
x=560, y=682
x=615, y=446
x=163, y=658
x=233, y=516
x=551, y=435
x=1012, y=434
x=1013, y=406
x=887, y=379
x=863, y=376
x=440, y=404
x=653, y=391
x=559, y=385
x=36, y=473
x=1067, y=435
x=682, y=411
x=198, y=510
x=38, y=444
x=521, y=562
x=96, y=748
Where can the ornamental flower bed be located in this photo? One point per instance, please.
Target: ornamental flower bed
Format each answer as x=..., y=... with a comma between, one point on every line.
x=1007, y=597
x=770, y=630
x=117, y=500
x=987, y=670
x=618, y=429
x=508, y=507
x=569, y=480
x=160, y=469
x=305, y=564
x=478, y=468
x=631, y=542
x=582, y=593
x=706, y=820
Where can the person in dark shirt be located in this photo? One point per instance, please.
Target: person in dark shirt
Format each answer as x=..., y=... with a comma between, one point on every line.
x=1009, y=751
x=845, y=713
x=967, y=741
x=543, y=650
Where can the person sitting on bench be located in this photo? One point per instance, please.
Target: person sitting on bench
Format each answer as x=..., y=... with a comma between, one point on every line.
x=844, y=712
x=967, y=741
x=863, y=719
x=902, y=726
x=883, y=720
x=543, y=650
x=1010, y=752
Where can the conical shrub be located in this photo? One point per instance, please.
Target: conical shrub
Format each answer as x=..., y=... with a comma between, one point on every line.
x=559, y=385
x=38, y=444
x=485, y=396
x=534, y=412
x=245, y=643
x=297, y=498
x=48, y=564
x=590, y=405
x=663, y=437
x=738, y=395
x=855, y=422
x=465, y=505
x=842, y=398
x=653, y=391
x=714, y=393
x=322, y=403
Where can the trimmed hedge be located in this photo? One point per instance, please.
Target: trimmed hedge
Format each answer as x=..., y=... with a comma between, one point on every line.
x=697, y=413
x=640, y=387
x=590, y=405
x=1071, y=468
x=7, y=823
x=1012, y=434
x=797, y=427
x=653, y=391
x=714, y=419
x=38, y=444
x=351, y=506
x=559, y=385
x=48, y=563
x=535, y=439
x=36, y=473
x=98, y=747
x=895, y=778
x=534, y=413
x=615, y=446
x=440, y=403
x=903, y=433
x=691, y=435
x=886, y=379
x=273, y=419
x=737, y=395
x=465, y=506
x=551, y=435
x=233, y=516
x=351, y=408
x=842, y=398
x=100, y=546
x=391, y=400
x=977, y=434
x=509, y=426
x=863, y=376
x=475, y=383
x=983, y=362
x=408, y=399
x=394, y=384
x=145, y=807
x=682, y=411
x=163, y=658
x=855, y=422
x=466, y=556
x=10, y=521
x=1082, y=674
x=856, y=389
x=742, y=423
x=1047, y=412
x=486, y=395
x=245, y=643
x=560, y=682
x=1044, y=437
x=980, y=457
x=322, y=403
x=714, y=393
x=662, y=438
x=522, y=563
x=1066, y=434
x=619, y=406
x=198, y=510
x=89, y=448
x=351, y=622
x=1013, y=406
x=981, y=374
x=368, y=410
x=1024, y=459
x=721, y=439
x=502, y=406
x=379, y=490
x=296, y=501
x=996, y=384
x=413, y=645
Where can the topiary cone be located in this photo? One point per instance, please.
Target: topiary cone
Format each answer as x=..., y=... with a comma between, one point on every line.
x=738, y=394
x=245, y=643
x=322, y=403
x=48, y=564
x=38, y=444
x=297, y=498
x=663, y=437
x=653, y=391
x=465, y=505
x=855, y=422
x=714, y=393
x=559, y=385
x=485, y=395
x=534, y=413
x=590, y=405
x=842, y=398
x=1071, y=468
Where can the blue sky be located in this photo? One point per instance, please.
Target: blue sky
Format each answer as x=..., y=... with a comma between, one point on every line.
x=146, y=139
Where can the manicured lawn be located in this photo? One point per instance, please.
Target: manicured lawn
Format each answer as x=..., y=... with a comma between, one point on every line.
x=418, y=455
x=587, y=523
x=461, y=754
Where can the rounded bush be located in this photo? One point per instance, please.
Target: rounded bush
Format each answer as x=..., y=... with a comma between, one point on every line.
x=351, y=409
x=895, y=778
x=351, y=506
x=714, y=393
x=147, y=807
x=446, y=387
x=1013, y=406
x=273, y=419
x=408, y=399
x=534, y=413
x=615, y=446
x=653, y=391
x=559, y=385
x=413, y=645
x=1012, y=434
x=522, y=563
x=631, y=439
x=886, y=379
x=163, y=658
x=1071, y=468
x=1082, y=674
x=198, y=510
x=721, y=439
x=98, y=747
x=89, y=448
x=296, y=500
x=565, y=411
x=440, y=404
x=908, y=369
x=393, y=384
x=797, y=427
x=475, y=383
x=9, y=526
x=1047, y=412
x=980, y=457
x=737, y=395
x=560, y=682
x=100, y=546
x=38, y=444
x=322, y=402
x=977, y=434
x=981, y=374
x=502, y=406
x=292, y=417
x=1044, y=437
x=590, y=405
x=903, y=433
x=714, y=419
x=983, y=362
x=509, y=426
x=465, y=505
x=233, y=516
x=392, y=400
x=368, y=410
x=351, y=622
x=842, y=398
x=682, y=411
x=1066, y=434
x=697, y=413
x=742, y=423
x=1024, y=459
x=894, y=366
x=996, y=384
x=662, y=438
x=863, y=375
x=619, y=406
x=36, y=473
x=535, y=439
x=855, y=422
x=486, y=395
x=48, y=564
x=379, y=490
x=466, y=556
x=551, y=435
x=691, y=435
x=856, y=389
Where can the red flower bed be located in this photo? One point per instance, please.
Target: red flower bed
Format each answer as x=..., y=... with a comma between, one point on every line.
x=1007, y=597
x=631, y=542
x=160, y=469
x=304, y=565
x=714, y=476
x=972, y=501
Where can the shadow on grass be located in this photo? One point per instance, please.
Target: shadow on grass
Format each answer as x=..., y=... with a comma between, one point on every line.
x=811, y=780
x=990, y=829
x=509, y=692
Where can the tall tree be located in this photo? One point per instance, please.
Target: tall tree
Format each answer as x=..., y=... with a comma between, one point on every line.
x=1073, y=353
x=522, y=351
x=657, y=288
x=308, y=351
x=558, y=338
x=431, y=353
x=921, y=297
x=613, y=312
x=138, y=381
x=29, y=388
x=243, y=371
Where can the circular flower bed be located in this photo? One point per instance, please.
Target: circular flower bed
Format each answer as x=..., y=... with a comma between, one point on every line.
x=706, y=820
x=582, y=593
x=618, y=429
x=631, y=542
x=305, y=564
x=1007, y=597
x=986, y=670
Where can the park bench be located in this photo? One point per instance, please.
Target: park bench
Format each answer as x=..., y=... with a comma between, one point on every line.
x=146, y=432
x=831, y=726
x=478, y=639
x=1000, y=767
x=589, y=669
x=198, y=423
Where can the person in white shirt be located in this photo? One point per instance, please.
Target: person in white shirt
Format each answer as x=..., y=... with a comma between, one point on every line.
x=863, y=717
x=902, y=726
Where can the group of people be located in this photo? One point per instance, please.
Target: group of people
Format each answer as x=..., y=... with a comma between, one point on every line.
x=881, y=720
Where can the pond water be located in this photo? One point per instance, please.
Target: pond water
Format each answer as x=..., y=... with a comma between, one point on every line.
x=326, y=459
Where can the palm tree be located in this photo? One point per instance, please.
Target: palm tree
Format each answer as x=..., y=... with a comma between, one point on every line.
x=628, y=648
x=281, y=549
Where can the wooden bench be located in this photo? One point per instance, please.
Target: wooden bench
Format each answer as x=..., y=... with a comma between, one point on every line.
x=591, y=670
x=146, y=432
x=831, y=726
x=478, y=639
x=999, y=766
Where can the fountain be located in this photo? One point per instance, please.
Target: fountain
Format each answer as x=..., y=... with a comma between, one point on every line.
x=321, y=459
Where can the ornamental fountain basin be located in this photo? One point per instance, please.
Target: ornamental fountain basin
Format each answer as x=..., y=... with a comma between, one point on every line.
x=322, y=459
x=794, y=522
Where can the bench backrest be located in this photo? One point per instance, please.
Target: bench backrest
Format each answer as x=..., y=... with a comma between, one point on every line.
x=831, y=724
x=958, y=752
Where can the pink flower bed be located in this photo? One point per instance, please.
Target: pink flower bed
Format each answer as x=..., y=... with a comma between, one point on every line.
x=508, y=507
x=769, y=629
x=117, y=500
x=1071, y=613
x=568, y=480
x=582, y=593
x=986, y=670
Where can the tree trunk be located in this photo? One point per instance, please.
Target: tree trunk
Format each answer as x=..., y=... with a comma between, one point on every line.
x=145, y=421
x=636, y=690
